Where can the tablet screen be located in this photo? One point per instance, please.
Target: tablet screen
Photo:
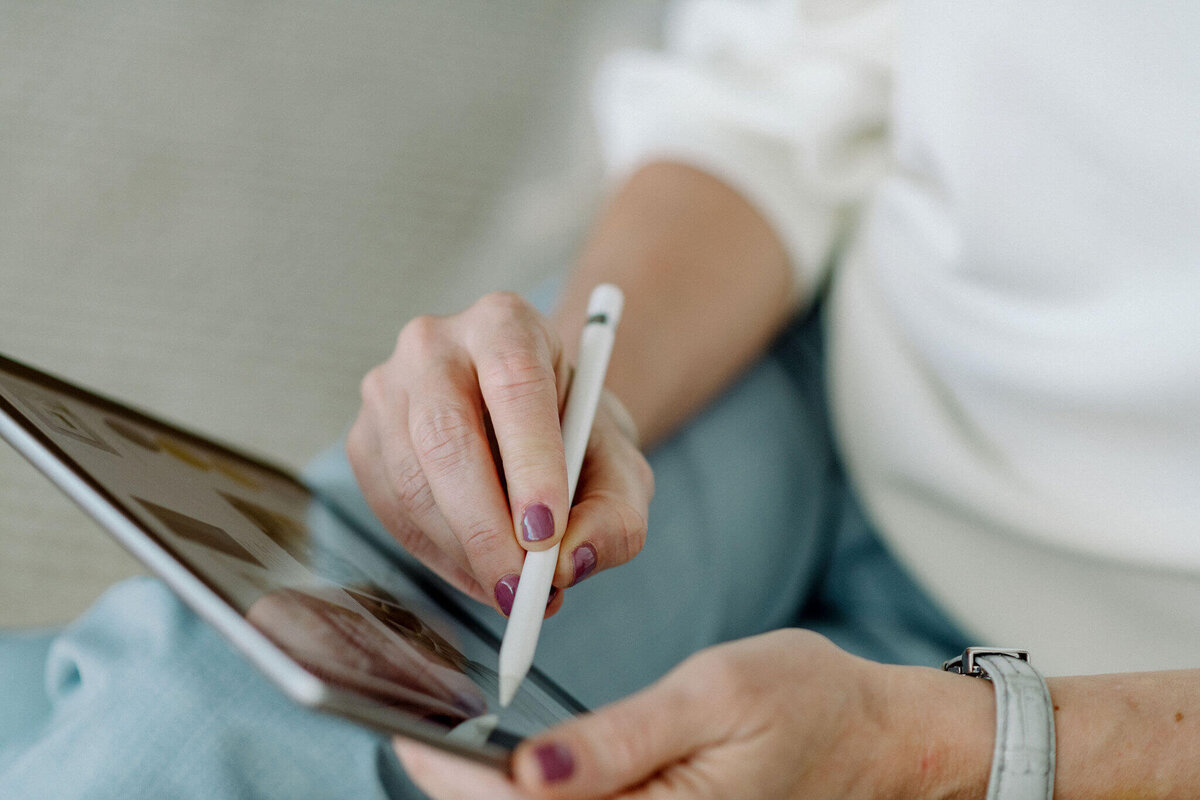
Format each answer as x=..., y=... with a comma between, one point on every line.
x=358, y=616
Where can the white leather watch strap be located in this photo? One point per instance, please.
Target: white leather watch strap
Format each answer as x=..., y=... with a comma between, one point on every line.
x=1023, y=758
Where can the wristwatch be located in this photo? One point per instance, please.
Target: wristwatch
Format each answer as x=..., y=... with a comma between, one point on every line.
x=1023, y=758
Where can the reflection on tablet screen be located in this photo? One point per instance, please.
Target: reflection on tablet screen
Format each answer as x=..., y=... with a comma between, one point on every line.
x=360, y=618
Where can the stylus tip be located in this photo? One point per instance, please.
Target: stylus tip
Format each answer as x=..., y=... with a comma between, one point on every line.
x=508, y=688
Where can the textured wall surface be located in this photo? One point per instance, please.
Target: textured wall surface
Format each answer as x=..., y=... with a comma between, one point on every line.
x=225, y=212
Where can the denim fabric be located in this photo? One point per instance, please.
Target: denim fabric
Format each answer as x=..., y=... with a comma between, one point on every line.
x=753, y=527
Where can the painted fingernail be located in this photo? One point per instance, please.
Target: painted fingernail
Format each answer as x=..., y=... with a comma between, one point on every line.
x=538, y=523
x=506, y=590
x=555, y=761
x=553, y=594
x=583, y=559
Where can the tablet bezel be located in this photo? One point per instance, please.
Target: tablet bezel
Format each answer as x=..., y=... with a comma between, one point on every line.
x=131, y=532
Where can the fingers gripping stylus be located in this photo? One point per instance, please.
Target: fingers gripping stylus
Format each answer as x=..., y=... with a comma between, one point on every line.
x=533, y=589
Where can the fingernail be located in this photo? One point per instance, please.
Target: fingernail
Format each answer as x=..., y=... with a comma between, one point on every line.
x=538, y=523
x=583, y=559
x=553, y=594
x=506, y=590
x=555, y=761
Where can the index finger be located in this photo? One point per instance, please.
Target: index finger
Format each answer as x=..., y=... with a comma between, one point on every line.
x=519, y=366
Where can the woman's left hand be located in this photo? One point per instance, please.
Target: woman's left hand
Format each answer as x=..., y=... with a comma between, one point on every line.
x=782, y=715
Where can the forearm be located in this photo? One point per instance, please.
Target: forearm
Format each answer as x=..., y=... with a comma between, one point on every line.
x=707, y=286
x=1127, y=736
x=1118, y=737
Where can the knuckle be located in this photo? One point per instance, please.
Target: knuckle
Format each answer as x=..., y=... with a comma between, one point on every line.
x=419, y=338
x=516, y=360
x=442, y=438
x=631, y=527
x=480, y=539
x=719, y=673
x=518, y=372
x=411, y=488
x=500, y=306
x=370, y=388
x=808, y=646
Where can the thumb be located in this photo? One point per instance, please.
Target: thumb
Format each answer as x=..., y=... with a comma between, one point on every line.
x=616, y=747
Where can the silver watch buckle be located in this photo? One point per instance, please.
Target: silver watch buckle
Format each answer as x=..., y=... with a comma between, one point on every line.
x=965, y=664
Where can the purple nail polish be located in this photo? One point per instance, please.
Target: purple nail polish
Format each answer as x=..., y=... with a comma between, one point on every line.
x=506, y=590
x=555, y=761
x=538, y=523
x=583, y=559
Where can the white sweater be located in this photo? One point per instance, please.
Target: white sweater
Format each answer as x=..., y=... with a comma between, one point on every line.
x=1015, y=336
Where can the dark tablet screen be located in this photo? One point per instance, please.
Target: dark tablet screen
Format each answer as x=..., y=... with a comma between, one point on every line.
x=355, y=613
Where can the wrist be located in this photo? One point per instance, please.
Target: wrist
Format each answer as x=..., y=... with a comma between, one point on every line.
x=946, y=734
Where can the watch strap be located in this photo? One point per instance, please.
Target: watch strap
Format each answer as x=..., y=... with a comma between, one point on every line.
x=1023, y=758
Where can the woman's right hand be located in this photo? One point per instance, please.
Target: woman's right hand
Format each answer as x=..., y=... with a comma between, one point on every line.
x=458, y=450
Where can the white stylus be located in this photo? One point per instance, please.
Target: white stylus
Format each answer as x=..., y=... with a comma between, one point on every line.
x=533, y=589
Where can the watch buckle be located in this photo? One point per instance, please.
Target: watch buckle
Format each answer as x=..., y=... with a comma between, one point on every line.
x=965, y=664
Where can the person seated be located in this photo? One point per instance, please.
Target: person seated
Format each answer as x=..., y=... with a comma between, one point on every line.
x=908, y=362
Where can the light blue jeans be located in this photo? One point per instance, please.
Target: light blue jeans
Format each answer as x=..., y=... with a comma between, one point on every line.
x=753, y=527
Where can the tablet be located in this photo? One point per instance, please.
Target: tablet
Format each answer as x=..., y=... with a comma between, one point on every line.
x=337, y=619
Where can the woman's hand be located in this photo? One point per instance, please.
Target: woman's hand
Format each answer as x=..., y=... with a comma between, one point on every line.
x=458, y=450
x=783, y=715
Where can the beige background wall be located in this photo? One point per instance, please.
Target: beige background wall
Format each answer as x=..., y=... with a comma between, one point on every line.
x=226, y=211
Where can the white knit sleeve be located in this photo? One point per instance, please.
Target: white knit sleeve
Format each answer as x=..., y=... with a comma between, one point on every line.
x=784, y=101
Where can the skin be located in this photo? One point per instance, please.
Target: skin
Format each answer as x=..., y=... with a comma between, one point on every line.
x=420, y=445
x=786, y=714
x=707, y=287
